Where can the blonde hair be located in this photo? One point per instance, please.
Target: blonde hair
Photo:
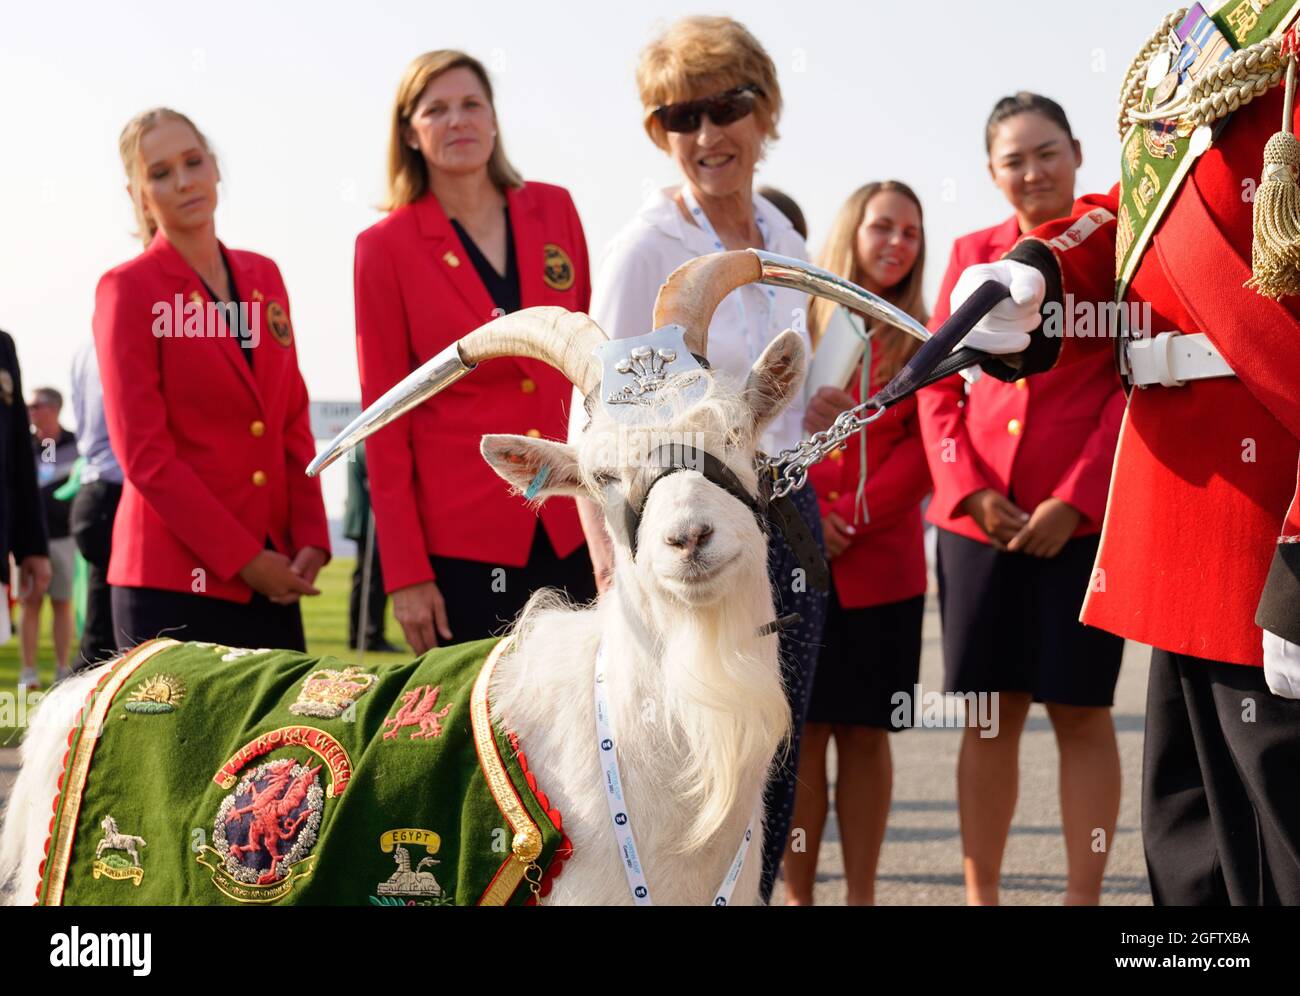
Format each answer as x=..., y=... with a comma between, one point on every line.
x=408, y=175
x=128, y=144
x=700, y=56
x=894, y=346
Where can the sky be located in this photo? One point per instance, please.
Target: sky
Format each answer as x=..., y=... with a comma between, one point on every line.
x=295, y=98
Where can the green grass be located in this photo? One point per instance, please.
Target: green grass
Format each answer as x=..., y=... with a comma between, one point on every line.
x=325, y=618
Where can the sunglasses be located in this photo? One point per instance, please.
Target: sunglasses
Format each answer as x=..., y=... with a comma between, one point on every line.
x=722, y=109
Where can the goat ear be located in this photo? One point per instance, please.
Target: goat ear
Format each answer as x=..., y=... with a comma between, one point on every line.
x=775, y=380
x=535, y=468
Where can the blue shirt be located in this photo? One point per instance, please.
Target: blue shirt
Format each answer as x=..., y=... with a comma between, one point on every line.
x=92, y=430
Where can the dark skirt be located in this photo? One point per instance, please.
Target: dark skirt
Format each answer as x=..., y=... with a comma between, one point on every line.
x=483, y=599
x=140, y=614
x=1011, y=623
x=870, y=656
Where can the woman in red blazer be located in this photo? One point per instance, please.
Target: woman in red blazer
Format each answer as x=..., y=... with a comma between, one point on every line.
x=465, y=240
x=219, y=531
x=872, y=644
x=1021, y=472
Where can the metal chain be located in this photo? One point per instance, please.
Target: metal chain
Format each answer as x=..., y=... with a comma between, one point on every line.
x=789, y=468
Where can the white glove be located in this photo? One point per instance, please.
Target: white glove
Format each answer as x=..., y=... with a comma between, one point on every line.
x=1281, y=666
x=1006, y=328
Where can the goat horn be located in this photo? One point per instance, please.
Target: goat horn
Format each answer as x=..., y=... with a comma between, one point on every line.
x=564, y=339
x=694, y=290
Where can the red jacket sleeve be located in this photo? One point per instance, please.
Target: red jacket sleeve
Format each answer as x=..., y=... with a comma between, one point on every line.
x=308, y=525
x=384, y=356
x=947, y=445
x=898, y=483
x=1082, y=246
x=1086, y=484
x=136, y=413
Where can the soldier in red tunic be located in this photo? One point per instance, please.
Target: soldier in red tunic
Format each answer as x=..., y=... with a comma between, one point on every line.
x=1190, y=559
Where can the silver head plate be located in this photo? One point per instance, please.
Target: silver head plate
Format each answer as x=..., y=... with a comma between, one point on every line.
x=634, y=371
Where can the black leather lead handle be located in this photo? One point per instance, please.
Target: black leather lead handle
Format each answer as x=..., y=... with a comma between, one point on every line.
x=934, y=352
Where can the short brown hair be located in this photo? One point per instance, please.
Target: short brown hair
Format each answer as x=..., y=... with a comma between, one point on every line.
x=698, y=56
x=408, y=176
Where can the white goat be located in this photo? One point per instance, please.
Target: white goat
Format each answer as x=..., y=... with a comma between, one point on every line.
x=694, y=690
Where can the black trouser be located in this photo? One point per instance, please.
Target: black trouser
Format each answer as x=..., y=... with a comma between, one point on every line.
x=91, y=520
x=1220, y=786
x=140, y=614
x=483, y=599
x=800, y=646
x=376, y=599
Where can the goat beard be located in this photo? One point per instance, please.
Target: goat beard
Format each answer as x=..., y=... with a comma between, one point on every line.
x=724, y=702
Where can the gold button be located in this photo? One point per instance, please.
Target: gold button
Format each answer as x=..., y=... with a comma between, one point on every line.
x=259, y=477
x=535, y=433
x=257, y=428
x=1021, y=384
x=833, y=496
x=1015, y=427
x=527, y=385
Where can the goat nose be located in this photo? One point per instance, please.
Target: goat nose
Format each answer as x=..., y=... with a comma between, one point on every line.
x=690, y=539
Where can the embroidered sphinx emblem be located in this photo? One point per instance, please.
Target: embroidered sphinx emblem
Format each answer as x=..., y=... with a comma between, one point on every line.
x=115, y=866
x=327, y=693
x=417, y=710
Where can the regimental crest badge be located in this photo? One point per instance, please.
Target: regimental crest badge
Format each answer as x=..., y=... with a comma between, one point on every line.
x=264, y=831
x=278, y=319
x=124, y=863
x=418, y=886
x=328, y=693
x=417, y=710
x=635, y=371
x=558, y=268
x=158, y=693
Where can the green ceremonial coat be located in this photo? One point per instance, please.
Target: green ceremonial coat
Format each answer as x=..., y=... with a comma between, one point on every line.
x=201, y=774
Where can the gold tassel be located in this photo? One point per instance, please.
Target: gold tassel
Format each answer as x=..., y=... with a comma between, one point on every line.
x=1275, y=254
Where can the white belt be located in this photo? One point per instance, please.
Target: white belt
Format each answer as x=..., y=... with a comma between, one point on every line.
x=1172, y=359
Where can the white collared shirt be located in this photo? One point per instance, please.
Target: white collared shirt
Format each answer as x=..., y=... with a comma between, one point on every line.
x=659, y=239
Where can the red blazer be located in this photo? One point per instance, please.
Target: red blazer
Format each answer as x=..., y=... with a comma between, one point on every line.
x=417, y=292
x=886, y=560
x=1052, y=435
x=213, y=453
x=1204, y=473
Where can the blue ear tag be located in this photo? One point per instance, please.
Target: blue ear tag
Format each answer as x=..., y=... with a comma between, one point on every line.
x=538, y=481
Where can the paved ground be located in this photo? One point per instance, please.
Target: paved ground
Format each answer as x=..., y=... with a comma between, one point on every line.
x=921, y=860
x=920, y=863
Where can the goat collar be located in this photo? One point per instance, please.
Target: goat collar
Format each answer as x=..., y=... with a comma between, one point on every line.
x=672, y=457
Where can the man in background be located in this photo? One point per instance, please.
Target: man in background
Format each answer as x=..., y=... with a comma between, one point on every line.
x=54, y=450
x=95, y=505
x=359, y=526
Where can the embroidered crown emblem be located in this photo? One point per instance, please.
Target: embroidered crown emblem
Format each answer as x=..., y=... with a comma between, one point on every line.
x=328, y=693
